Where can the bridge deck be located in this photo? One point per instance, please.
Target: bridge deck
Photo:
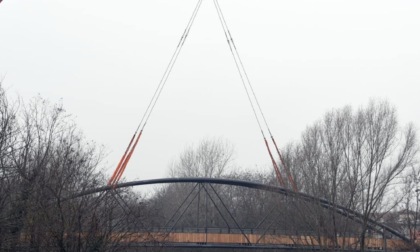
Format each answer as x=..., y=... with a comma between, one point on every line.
x=254, y=240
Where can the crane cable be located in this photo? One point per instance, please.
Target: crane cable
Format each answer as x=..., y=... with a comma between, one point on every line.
x=116, y=176
x=244, y=83
x=245, y=80
x=289, y=175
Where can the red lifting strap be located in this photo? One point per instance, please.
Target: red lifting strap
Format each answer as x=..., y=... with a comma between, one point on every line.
x=112, y=179
x=289, y=174
x=127, y=159
x=276, y=168
x=116, y=176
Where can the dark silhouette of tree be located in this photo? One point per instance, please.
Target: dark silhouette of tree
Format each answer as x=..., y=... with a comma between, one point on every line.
x=44, y=159
x=354, y=159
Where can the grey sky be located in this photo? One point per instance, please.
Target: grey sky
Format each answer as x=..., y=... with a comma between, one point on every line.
x=105, y=58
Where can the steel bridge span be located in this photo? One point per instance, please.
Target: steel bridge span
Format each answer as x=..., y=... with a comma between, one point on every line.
x=196, y=239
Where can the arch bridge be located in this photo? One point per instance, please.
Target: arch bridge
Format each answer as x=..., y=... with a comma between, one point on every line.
x=235, y=236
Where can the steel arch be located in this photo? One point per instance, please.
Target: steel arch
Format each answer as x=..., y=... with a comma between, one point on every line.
x=241, y=183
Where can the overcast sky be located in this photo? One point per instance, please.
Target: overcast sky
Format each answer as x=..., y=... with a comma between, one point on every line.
x=105, y=58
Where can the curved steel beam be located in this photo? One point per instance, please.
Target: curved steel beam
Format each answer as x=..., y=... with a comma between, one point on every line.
x=275, y=189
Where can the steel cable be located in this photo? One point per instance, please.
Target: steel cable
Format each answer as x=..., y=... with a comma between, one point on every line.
x=130, y=149
x=247, y=86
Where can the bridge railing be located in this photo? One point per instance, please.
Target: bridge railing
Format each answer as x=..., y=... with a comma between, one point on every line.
x=213, y=230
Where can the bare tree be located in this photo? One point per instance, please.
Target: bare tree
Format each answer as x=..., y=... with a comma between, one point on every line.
x=386, y=154
x=410, y=206
x=44, y=159
x=354, y=159
x=211, y=158
x=8, y=132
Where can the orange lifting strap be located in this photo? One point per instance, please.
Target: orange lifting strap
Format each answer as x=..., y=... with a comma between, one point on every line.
x=276, y=168
x=289, y=175
x=116, y=176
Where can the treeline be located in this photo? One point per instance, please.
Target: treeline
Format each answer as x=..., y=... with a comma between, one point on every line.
x=360, y=159
x=44, y=159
